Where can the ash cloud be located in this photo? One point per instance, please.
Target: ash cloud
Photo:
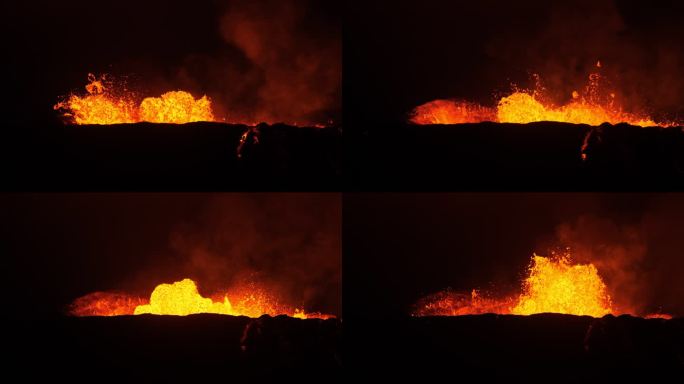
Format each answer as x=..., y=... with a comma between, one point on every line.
x=287, y=242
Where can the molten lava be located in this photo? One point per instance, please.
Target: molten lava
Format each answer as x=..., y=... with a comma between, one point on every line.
x=182, y=298
x=175, y=107
x=594, y=106
x=557, y=286
x=450, y=303
x=451, y=112
x=553, y=285
x=103, y=104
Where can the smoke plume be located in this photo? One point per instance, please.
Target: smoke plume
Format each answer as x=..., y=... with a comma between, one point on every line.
x=280, y=62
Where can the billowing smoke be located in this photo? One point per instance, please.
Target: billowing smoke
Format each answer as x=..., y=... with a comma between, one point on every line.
x=280, y=62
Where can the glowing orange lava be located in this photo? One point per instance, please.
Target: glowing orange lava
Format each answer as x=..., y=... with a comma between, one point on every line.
x=593, y=106
x=182, y=298
x=451, y=112
x=450, y=303
x=102, y=105
x=554, y=285
x=105, y=304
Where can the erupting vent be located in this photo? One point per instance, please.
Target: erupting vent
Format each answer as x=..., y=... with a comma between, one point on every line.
x=553, y=285
x=594, y=105
x=182, y=298
x=558, y=286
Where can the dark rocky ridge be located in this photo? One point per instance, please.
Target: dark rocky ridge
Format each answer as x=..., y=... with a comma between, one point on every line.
x=193, y=156
x=175, y=348
x=535, y=156
x=552, y=347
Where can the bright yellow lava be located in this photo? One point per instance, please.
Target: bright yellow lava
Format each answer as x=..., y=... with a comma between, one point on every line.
x=176, y=107
x=102, y=106
x=524, y=108
x=553, y=285
x=557, y=286
x=182, y=298
x=593, y=105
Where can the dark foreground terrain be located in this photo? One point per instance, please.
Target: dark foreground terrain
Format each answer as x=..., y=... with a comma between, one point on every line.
x=194, y=156
x=536, y=156
x=548, y=347
x=172, y=349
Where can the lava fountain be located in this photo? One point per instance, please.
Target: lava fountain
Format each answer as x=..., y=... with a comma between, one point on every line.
x=558, y=286
x=552, y=285
x=182, y=298
x=105, y=104
x=593, y=105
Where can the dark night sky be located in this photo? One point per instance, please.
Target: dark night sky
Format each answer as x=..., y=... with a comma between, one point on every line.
x=155, y=45
x=62, y=246
x=400, y=247
x=401, y=54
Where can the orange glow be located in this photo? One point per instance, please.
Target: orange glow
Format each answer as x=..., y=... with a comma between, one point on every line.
x=552, y=285
x=182, y=298
x=663, y=316
x=105, y=304
x=102, y=105
x=449, y=303
x=451, y=112
x=594, y=105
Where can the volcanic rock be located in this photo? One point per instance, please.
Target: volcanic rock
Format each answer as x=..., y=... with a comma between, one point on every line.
x=172, y=157
x=177, y=348
x=548, y=347
x=535, y=156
